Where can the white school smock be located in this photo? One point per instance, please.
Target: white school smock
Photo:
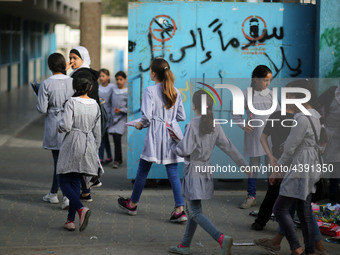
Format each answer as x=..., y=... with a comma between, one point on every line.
x=118, y=100
x=262, y=100
x=332, y=126
x=53, y=93
x=196, y=150
x=79, y=150
x=300, y=148
x=106, y=94
x=154, y=116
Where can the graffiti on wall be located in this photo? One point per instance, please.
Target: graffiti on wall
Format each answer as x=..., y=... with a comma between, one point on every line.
x=162, y=28
x=330, y=38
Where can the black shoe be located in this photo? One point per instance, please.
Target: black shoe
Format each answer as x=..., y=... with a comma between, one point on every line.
x=256, y=226
x=124, y=205
x=96, y=184
x=179, y=218
x=88, y=198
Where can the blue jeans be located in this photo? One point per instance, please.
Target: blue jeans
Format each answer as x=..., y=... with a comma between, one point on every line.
x=142, y=174
x=195, y=216
x=304, y=209
x=254, y=161
x=318, y=236
x=70, y=184
x=105, y=145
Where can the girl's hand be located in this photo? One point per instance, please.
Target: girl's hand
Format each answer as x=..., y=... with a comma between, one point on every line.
x=275, y=178
x=68, y=65
x=273, y=161
x=117, y=110
x=248, y=129
x=139, y=125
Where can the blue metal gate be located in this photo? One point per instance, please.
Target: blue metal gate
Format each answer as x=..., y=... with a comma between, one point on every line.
x=214, y=40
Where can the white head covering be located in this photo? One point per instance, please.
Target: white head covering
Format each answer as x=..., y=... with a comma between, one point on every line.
x=85, y=56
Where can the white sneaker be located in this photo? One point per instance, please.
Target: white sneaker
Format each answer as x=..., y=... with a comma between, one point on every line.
x=52, y=198
x=65, y=204
x=248, y=202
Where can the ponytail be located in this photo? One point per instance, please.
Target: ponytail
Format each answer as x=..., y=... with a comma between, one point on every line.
x=207, y=121
x=164, y=74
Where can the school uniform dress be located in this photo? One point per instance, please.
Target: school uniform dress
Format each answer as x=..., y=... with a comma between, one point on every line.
x=332, y=126
x=196, y=150
x=262, y=100
x=300, y=149
x=154, y=116
x=53, y=93
x=118, y=120
x=106, y=93
x=79, y=150
x=196, y=186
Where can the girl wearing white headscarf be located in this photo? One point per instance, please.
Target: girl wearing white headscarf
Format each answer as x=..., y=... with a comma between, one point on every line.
x=80, y=63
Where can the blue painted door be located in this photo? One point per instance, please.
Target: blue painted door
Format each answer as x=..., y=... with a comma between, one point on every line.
x=214, y=42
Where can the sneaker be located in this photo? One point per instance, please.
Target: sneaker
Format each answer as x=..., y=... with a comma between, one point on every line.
x=179, y=250
x=69, y=225
x=84, y=214
x=107, y=161
x=116, y=164
x=65, y=204
x=182, y=217
x=52, y=198
x=256, y=226
x=267, y=245
x=226, y=245
x=96, y=184
x=248, y=202
x=124, y=204
x=88, y=198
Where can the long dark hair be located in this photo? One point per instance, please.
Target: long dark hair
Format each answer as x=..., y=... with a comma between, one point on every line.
x=162, y=69
x=261, y=71
x=207, y=121
x=81, y=86
x=310, y=86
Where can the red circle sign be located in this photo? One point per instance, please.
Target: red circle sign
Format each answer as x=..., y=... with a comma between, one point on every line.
x=254, y=19
x=162, y=28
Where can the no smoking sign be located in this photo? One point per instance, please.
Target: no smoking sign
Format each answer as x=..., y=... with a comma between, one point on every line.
x=162, y=28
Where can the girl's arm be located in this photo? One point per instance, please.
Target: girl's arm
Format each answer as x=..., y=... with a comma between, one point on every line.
x=147, y=108
x=97, y=129
x=66, y=122
x=239, y=120
x=228, y=148
x=180, y=115
x=265, y=145
x=294, y=139
x=42, y=104
x=187, y=145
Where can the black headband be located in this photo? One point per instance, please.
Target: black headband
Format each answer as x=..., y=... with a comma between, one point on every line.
x=76, y=52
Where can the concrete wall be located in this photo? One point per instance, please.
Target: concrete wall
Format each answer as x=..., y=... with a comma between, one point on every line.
x=4, y=78
x=15, y=76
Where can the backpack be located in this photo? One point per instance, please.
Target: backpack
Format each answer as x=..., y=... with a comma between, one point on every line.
x=104, y=119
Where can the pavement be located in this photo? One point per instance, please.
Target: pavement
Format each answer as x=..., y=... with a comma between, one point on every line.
x=31, y=226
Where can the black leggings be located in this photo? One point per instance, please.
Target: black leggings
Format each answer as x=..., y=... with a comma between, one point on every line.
x=304, y=211
x=117, y=140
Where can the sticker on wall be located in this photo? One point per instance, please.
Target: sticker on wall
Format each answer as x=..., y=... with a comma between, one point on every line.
x=252, y=27
x=162, y=28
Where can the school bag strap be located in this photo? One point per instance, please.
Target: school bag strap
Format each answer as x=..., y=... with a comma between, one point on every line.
x=316, y=140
